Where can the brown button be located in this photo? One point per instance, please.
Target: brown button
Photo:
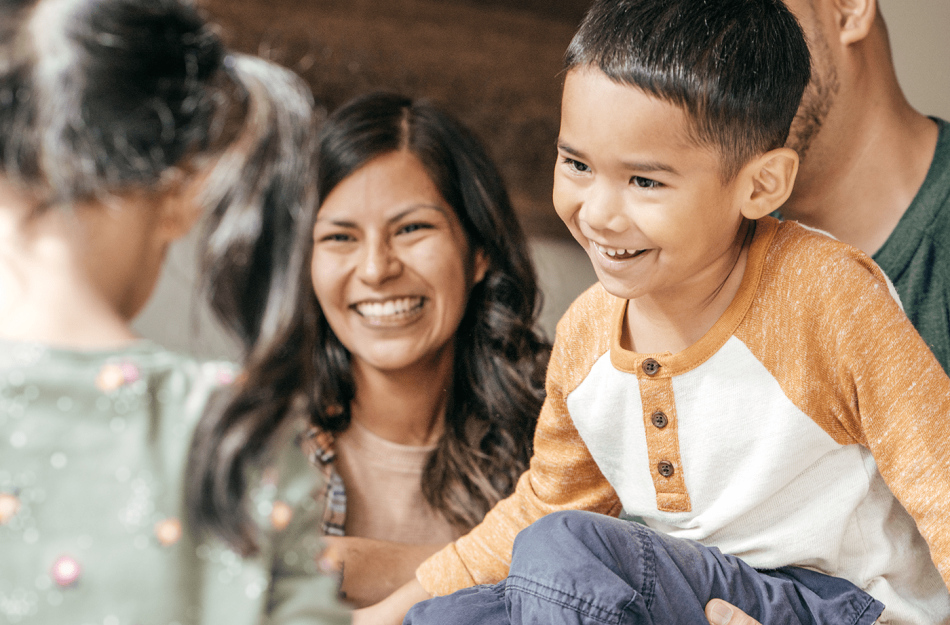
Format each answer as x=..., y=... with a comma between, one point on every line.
x=665, y=468
x=651, y=367
x=659, y=420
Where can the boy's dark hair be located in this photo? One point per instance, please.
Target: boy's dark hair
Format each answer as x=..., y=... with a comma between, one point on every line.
x=737, y=67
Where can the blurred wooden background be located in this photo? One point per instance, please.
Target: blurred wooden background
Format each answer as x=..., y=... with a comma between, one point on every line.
x=495, y=65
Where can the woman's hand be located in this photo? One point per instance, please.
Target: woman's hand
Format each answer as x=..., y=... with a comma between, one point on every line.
x=718, y=612
x=392, y=610
x=373, y=569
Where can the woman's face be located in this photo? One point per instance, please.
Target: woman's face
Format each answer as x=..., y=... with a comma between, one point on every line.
x=392, y=269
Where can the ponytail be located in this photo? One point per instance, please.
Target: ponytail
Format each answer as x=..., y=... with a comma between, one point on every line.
x=262, y=197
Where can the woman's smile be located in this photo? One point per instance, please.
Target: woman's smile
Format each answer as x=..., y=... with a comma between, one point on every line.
x=391, y=312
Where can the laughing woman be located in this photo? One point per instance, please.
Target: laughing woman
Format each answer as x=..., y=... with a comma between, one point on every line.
x=415, y=353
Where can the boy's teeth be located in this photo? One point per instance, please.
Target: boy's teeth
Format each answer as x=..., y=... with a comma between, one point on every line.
x=388, y=308
x=610, y=251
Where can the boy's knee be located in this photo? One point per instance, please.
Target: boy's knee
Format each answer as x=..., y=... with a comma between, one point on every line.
x=567, y=531
x=557, y=527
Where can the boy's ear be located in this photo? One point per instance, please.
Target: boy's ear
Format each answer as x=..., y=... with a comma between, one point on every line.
x=855, y=18
x=772, y=177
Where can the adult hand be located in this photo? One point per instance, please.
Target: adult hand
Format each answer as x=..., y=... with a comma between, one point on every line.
x=392, y=610
x=373, y=569
x=718, y=612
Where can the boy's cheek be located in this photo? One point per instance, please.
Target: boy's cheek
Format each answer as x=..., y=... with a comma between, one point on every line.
x=565, y=205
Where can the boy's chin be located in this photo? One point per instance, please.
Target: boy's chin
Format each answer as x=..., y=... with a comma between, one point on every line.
x=618, y=287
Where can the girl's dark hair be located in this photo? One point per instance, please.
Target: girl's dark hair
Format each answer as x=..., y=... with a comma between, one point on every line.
x=737, y=67
x=500, y=357
x=99, y=97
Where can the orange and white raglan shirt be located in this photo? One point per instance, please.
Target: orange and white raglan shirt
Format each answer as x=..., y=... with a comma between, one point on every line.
x=809, y=427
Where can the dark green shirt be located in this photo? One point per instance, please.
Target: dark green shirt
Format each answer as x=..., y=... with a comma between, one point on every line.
x=916, y=257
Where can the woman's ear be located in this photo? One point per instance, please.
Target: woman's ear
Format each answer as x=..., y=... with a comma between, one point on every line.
x=480, y=264
x=773, y=177
x=855, y=18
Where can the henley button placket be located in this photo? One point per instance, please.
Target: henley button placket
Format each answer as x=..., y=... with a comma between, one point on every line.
x=665, y=468
x=651, y=367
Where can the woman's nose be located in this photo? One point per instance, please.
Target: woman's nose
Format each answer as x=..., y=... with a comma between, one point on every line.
x=379, y=263
x=603, y=208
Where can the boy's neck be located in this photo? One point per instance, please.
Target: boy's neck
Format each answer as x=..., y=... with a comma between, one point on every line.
x=675, y=320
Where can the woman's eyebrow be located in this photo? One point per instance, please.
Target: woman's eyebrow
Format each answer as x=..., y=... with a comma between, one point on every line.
x=415, y=207
x=342, y=223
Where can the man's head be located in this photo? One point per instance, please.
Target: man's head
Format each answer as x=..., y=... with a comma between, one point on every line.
x=737, y=67
x=831, y=27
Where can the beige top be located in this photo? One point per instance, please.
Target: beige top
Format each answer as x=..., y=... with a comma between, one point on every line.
x=383, y=490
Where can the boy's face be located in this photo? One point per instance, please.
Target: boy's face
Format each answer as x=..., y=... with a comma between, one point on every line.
x=646, y=203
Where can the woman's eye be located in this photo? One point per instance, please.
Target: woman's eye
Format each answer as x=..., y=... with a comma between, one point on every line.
x=577, y=165
x=645, y=183
x=336, y=237
x=409, y=228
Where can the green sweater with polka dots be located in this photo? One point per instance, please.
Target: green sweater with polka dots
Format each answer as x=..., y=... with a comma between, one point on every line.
x=93, y=447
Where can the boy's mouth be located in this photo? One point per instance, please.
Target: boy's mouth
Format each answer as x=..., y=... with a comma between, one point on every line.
x=616, y=253
x=391, y=310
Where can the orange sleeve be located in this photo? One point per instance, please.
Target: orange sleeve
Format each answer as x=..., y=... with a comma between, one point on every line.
x=562, y=473
x=900, y=396
x=829, y=330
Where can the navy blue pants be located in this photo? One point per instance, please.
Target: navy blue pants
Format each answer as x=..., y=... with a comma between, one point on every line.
x=580, y=567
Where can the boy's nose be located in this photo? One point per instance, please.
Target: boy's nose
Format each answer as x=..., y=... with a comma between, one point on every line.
x=604, y=209
x=378, y=264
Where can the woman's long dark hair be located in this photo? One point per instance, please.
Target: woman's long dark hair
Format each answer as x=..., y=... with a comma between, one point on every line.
x=500, y=358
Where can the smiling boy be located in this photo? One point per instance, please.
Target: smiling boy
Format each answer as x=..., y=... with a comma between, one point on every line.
x=750, y=388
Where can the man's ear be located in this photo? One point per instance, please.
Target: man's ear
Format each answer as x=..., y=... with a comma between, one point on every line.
x=772, y=176
x=855, y=18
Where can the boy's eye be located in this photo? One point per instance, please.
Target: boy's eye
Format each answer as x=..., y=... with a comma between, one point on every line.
x=644, y=183
x=577, y=165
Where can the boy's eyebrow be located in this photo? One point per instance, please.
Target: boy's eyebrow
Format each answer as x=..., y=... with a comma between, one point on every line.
x=643, y=166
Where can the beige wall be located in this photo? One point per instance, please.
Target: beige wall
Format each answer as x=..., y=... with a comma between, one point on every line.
x=920, y=40
x=920, y=37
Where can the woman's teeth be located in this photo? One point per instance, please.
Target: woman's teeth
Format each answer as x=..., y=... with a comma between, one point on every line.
x=618, y=253
x=389, y=308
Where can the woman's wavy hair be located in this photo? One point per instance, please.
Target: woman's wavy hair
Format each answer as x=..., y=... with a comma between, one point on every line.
x=500, y=360
x=100, y=97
